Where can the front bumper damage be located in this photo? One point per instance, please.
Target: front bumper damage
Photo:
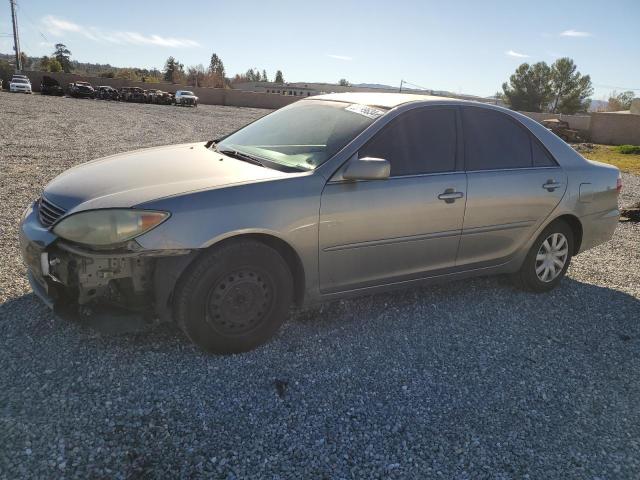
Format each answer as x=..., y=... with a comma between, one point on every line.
x=73, y=277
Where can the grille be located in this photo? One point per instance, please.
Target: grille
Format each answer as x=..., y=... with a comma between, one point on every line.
x=48, y=212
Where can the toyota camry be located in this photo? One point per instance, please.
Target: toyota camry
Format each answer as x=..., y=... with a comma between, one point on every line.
x=331, y=196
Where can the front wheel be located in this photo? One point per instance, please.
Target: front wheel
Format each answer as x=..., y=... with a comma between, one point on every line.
x=548, y=260
x=234, y=298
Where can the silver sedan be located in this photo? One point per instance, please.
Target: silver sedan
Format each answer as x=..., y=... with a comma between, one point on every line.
x=334, y=195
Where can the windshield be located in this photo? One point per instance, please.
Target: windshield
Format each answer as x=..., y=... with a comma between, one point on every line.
x=304, y=134
x=184, y=92
x=19, y=80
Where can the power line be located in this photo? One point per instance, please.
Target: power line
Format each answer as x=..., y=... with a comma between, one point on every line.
x=23, y=11
x=616, y=88
x=419, y=87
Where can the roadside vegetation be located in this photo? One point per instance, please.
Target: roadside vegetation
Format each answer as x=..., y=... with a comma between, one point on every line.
x=625, y=157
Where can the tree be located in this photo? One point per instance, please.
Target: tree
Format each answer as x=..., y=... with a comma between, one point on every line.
x=25, y=61
x=196, y=75
x=570, y=88
x=54, y=65
x=44, y=63
x=344, y=82
x=63, y=55
x=253, y=75
x=279, y=78
x=216, y=66
x=529, y=88
x=620, y=101
x=126, y=74
x=264, y=76
x=173, y=70
x=6, y=71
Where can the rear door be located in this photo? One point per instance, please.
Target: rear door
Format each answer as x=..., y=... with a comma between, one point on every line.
x=513, y=185
x=383, y=231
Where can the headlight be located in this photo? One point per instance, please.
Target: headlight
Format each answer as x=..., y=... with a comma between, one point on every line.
x=108, y=227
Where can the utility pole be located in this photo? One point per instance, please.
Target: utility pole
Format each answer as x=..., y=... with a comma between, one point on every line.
x=401, y=82
x=16, y=40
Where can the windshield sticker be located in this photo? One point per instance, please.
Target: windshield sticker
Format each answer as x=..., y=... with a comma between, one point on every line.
x=368, y=112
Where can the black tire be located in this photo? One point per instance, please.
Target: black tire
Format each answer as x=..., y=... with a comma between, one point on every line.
x=234, y=297
x=527, y=278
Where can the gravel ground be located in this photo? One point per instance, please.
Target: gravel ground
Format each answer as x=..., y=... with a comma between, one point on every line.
x=464, y=380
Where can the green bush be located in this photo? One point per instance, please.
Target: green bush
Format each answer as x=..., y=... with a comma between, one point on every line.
x=628, y=149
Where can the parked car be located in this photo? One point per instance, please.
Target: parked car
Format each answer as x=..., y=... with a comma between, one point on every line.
x=151, y=93
x=185, y=97
x=50, y=86
x=81, y=90
x=331, y=196
x=159, y=97
x=105, y=92
x=20, y=84
x=134, y=94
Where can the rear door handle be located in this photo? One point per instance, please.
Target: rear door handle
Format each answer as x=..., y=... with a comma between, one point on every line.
x=551, y=185
x=450, y=195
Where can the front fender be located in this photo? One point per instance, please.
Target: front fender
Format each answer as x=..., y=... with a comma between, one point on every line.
x=286, y=208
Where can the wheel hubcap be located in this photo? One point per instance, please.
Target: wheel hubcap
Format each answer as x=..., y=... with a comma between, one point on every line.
x=239, y=302
x=552, y=257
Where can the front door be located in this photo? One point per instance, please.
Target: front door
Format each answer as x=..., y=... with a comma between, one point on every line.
x=384, y=231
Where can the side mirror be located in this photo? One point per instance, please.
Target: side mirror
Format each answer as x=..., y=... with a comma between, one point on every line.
x=367, y=168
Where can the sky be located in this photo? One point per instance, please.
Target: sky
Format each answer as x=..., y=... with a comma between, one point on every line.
x=460, y=46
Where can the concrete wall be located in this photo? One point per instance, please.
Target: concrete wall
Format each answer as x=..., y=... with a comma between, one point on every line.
x=207, y=96
x=615, y=128
x=582, y=123
x=608, y=128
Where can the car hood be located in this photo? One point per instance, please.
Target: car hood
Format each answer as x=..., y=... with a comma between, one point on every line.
x=132, y=178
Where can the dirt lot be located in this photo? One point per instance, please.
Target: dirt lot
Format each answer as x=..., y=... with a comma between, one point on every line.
x=464, y=380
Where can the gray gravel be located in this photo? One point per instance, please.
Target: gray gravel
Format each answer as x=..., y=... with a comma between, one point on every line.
x=464, y=380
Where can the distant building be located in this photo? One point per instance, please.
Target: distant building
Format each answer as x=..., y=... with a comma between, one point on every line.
x=301, y=89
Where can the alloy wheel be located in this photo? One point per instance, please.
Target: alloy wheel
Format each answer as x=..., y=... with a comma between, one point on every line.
x=552, y=257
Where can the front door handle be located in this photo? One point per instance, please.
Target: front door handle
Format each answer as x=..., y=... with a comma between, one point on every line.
x=450, y=195
x=551, y=185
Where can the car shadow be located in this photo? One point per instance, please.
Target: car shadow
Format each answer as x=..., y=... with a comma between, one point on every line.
x=465, y=303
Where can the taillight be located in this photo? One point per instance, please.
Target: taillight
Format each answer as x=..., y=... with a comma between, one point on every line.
x=619, y=184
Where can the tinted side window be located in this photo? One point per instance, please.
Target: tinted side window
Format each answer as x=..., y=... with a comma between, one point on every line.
x=540, y=156
x=492, y=141
x=419, y=141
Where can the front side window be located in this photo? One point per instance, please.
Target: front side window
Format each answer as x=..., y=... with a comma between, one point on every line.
x=304, y=134
x=492, y=141
x=420, y=141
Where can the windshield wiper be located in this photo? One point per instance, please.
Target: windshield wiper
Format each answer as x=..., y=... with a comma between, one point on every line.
x=242, y=156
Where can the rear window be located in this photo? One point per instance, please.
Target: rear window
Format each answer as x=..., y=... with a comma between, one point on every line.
x=493, y=141
x=541, y=157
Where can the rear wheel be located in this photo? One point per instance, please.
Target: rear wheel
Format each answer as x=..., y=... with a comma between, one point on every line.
x=548, y=260
x=234, y=298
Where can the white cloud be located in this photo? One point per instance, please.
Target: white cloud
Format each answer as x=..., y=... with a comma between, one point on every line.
x=340, y=57
x=575, y=33
x=511, y=53
x=59, y=26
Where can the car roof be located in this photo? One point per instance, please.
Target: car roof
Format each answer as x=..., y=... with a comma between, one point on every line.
x=384, y=100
